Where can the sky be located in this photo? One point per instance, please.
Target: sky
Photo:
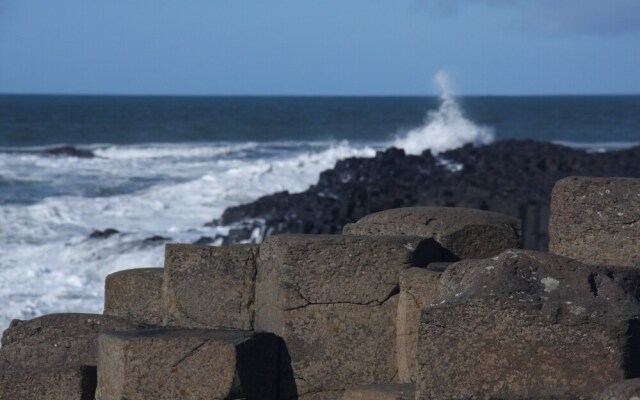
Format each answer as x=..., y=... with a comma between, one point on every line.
x=319, y=47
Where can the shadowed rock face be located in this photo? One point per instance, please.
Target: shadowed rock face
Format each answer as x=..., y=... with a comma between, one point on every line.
x=510, y=177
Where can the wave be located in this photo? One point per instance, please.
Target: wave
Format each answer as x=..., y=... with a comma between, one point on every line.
x=446, y=128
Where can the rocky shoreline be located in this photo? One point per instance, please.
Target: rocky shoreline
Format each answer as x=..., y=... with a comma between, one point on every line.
x=415, y=303
x=513, y=177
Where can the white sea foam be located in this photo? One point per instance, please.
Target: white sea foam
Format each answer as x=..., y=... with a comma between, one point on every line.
x=47, y=262
x=446, y=128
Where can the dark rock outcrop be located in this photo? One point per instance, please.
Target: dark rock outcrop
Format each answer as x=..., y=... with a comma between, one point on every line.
x=68, y=151
x=511, y=177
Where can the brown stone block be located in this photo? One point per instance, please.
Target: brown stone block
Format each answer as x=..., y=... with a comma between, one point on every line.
x=418, y=288
x=209, y=287
x=333, y=300
x=405, y=391
x=596, y=220
x=464, y=232
x=57, y=340
x=58, y=383
x=187, y=364
x=624, y=390
x=135, y=294
x=496, y=348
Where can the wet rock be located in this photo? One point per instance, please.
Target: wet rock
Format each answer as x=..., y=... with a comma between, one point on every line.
x=510, y=177
x=135, y=294
x=68, y=151
x=194, y=364
x=596, y=220
x=156, y=239
x=97, y=234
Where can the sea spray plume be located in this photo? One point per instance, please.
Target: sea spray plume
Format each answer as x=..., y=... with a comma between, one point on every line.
x=446, y=128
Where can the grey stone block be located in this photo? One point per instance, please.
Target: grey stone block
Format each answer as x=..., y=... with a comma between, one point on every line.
x=333, y=299
x=209, y=287
x=135, y=294
x=57, y=340
x=59, y=383
x=405, y=391
x=419, y=288
x=169, y=364
x=463, y=232
x=596, y=220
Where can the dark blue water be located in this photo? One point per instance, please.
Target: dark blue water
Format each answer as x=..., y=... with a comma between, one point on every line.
x=45, y=120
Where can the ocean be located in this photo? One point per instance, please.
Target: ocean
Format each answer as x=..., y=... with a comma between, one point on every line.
x=165, y=166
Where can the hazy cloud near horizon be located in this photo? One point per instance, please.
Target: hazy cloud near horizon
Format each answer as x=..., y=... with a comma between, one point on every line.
x=590, y=17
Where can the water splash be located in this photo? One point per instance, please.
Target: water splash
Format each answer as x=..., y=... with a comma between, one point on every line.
x=445, y=128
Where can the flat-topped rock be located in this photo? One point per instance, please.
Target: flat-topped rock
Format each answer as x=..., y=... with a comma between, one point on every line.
x=58, y=339
x=596, y=220
x=405, y=391
x=464, y=232
x=419, y=288
x=333, y=300
x=172, y=364
x=297, y=270
x=59, y=383
x=209, y=287
x=135, y=294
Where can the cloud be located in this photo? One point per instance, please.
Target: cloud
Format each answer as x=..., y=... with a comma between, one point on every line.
x=590, y=17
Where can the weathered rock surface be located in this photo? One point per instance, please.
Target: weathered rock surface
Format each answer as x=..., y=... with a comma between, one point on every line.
x=527, y=324
x=418, y=289
x=625, y=390
x=187, y=364
x=596, y=220
x=59, y=383
x=508, y=176
x=209, y=287
x=135, y=294
x=57, y=340
x=333, y=300
x=381, y=392
x=464, y=232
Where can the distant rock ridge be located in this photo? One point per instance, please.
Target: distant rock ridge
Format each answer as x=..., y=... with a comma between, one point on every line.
x=514, y=177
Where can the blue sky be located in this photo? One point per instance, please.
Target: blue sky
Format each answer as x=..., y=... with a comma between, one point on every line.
x=319, y=47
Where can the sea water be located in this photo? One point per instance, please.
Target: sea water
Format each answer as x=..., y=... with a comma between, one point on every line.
x=165, y=166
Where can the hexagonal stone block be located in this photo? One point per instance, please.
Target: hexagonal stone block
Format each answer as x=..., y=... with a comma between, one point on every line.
x=405, y=391
x=59, y=383
x=596, y=220
x=209, y=287
x=187, y=364
x=333, y=299
x=135, y=294
x=57, y=340
x=526, y=324
x=463, y=232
